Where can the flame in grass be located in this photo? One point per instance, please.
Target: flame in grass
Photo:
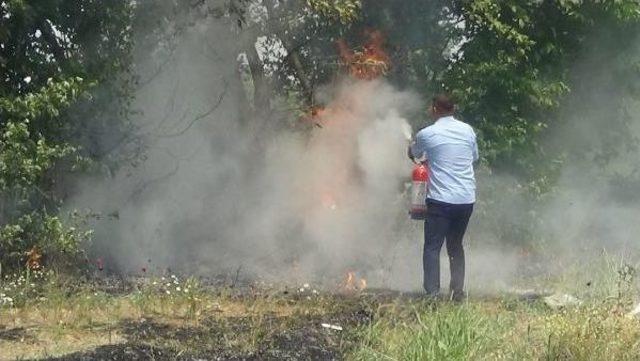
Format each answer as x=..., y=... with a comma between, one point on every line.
x=353, y=283
x=34, y=257
x=370, y=62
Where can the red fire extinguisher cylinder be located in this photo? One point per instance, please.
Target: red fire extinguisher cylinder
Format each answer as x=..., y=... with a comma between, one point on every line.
x=420, y=180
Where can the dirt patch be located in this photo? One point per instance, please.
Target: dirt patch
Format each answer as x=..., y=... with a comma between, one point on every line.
x=15, y=334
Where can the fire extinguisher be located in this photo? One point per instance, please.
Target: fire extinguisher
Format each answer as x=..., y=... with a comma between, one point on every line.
x=420, y=179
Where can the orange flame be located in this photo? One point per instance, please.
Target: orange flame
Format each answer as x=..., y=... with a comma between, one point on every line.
x=33, y=258
x=370, y=63
x=353, y=283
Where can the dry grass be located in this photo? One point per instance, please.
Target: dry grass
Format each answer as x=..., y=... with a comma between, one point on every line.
x=169, y=318
x=161, y=315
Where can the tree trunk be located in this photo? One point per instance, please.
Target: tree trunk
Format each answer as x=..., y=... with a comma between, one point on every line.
x=261, y=93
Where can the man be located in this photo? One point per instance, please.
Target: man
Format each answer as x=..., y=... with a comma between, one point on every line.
x=449, y=147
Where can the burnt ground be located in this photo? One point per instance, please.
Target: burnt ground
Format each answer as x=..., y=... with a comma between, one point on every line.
x=298, y=335
x=303, y=339
x=253, y=324
x=148, y=340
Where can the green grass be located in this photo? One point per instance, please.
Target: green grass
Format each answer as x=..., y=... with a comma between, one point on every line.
x=449, y=332
x=505, y=328
x=500, y=331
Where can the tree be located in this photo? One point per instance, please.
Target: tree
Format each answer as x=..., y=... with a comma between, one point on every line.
x=64, y=82
x=514, y=68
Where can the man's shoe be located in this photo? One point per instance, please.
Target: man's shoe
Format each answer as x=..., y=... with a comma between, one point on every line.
x=457, y=297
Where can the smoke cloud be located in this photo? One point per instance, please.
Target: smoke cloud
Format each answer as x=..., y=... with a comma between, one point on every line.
x=215, y=196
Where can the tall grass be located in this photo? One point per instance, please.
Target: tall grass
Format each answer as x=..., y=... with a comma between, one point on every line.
x=505, y=328
x=450, y=332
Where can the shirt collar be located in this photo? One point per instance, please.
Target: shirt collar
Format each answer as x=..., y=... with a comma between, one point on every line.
x=445, y=119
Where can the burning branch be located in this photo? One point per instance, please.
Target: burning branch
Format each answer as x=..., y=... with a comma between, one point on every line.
x=369, y=63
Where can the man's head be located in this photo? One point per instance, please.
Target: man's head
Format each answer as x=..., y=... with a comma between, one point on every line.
x=442, y=106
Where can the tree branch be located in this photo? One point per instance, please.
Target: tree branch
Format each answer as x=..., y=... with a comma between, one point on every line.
x=199, y=117
x=51, y=39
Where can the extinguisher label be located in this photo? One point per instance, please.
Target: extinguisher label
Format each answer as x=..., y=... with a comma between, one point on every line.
x=419, y=194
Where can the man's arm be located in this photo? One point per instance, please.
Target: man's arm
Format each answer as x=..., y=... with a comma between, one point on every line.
x=410, y=153
x=474, y=146
x=418, y=149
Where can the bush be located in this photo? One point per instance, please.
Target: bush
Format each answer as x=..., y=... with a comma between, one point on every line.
x=28, y=208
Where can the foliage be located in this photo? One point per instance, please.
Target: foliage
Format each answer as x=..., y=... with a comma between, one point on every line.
x=26, y=159
x=345, y=11
x=510, y=64
x=67, y=82
x=513, y=68
x=65, y=79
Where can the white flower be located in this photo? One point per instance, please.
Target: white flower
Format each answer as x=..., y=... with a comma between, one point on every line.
x=178, y=289
x=168, y=292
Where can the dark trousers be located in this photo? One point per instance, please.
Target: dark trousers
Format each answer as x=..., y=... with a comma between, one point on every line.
x=444, y=221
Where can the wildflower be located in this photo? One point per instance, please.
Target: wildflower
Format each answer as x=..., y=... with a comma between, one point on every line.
x=178, y=289
x=168, y=292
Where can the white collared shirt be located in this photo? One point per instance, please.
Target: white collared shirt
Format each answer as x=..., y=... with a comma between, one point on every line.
x=450, y=148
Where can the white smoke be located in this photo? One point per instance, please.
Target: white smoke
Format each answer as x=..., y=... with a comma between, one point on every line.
x=213, y=196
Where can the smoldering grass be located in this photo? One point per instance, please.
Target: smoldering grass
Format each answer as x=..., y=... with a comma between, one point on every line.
x=601, y=277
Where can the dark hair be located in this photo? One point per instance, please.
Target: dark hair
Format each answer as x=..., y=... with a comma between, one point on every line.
x=443, y=103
